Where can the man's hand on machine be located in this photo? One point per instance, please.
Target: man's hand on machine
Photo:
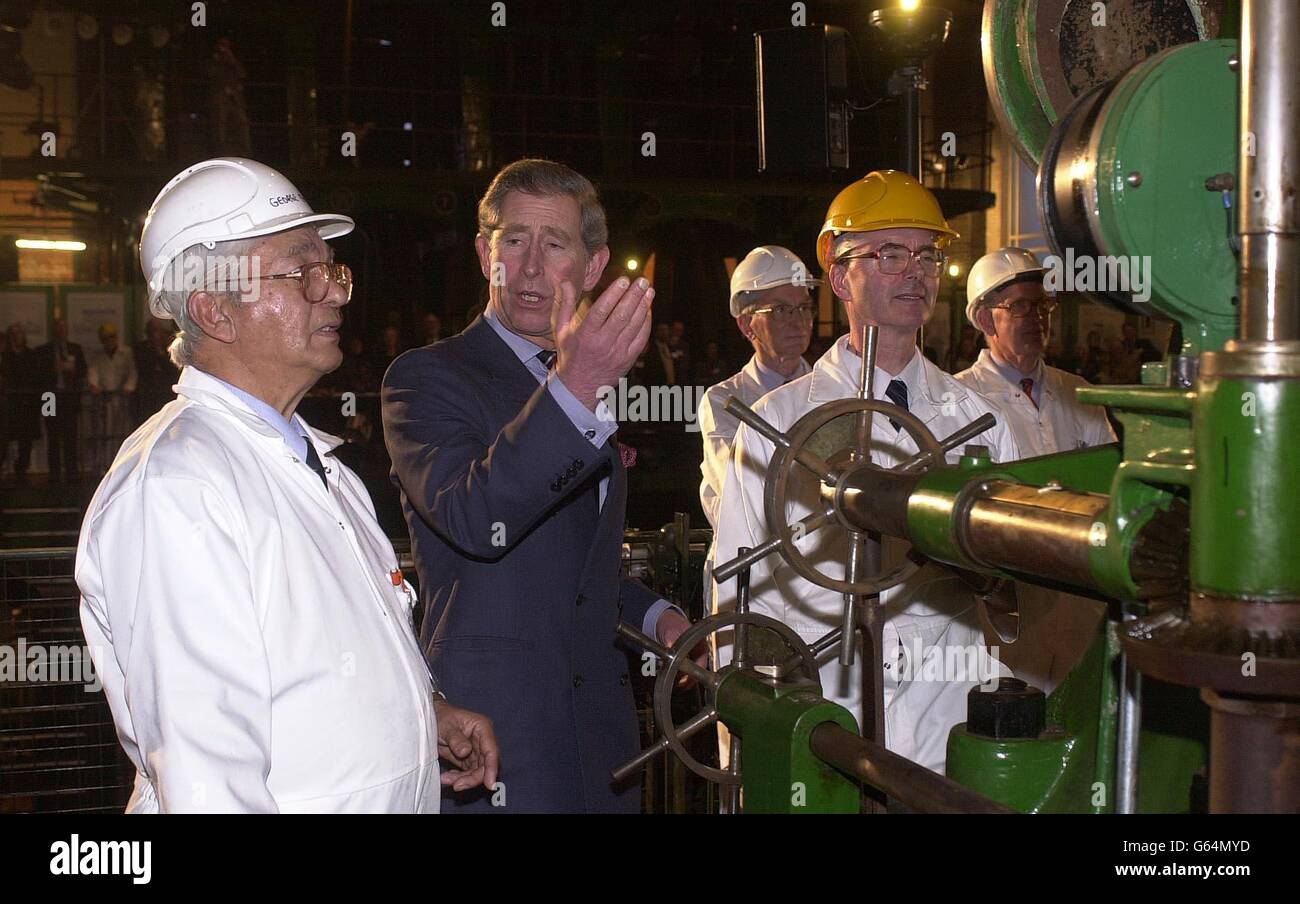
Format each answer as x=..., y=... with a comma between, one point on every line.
x=670, y=627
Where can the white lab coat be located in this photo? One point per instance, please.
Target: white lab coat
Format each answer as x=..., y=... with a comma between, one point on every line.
x=1054, y=627
x=718, y=428
x=932, y=610
x=1059, y=424
x=254, y=647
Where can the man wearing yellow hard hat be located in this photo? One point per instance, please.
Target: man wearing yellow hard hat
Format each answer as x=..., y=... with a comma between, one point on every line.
x=882, y=250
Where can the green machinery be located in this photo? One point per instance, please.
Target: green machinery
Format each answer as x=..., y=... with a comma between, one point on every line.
x=1183, y=165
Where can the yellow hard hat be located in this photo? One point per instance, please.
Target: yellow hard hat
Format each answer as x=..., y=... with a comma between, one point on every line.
x=882, y=199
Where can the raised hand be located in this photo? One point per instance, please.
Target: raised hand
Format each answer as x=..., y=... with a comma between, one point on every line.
x=601, y=347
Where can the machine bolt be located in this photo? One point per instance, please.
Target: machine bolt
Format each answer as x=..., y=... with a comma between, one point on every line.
x=1234, y=62
x=1134, y=179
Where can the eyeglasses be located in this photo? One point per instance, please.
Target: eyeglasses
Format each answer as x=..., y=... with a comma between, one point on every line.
x=894, y=259
x=315, y=279
x=1023, y=307
x=802, y=311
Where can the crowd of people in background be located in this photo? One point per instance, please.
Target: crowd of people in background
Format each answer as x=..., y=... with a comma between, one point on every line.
x=45, y=391
x=122, y=385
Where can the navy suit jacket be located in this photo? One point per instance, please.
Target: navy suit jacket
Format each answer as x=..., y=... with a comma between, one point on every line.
x=520, y=574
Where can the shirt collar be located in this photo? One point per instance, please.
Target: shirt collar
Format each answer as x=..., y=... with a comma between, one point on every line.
x=294, y=432
x=770, y=379
x=523, y=348
x=1013, y=374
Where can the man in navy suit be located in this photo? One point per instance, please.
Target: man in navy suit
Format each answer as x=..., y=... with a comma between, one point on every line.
x=514, y=492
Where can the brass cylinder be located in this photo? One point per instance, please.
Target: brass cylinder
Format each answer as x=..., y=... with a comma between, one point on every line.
x=1031, y=530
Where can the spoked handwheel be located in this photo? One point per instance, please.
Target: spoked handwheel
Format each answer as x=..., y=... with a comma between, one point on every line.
x=799, y=664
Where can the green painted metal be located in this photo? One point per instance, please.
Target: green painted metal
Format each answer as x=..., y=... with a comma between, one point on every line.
x=1173, y=120
x=1157, y=463
x=781, y=775
x=1246, y=488
x=930, y=514
x=1056, y=773
x=1014, y=99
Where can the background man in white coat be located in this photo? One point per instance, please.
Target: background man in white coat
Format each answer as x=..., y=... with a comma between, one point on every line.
x=1007, y=302
x=245, y=611
x=775, y=312
x=880, y=246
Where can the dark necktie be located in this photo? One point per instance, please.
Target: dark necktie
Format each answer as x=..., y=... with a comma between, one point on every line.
x=313, y=462
x=547, y=357
x=897, y=392
x=1027, y=384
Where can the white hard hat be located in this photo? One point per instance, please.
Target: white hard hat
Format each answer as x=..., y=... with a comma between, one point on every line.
x=993, y=271
x=222, y=200
x=767, y=267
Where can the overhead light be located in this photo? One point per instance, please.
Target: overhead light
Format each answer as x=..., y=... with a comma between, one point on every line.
x=50, y=245
x=633, y=263
x=909, y=5
x=123, y=34
x=87, y=27
x=954, y=269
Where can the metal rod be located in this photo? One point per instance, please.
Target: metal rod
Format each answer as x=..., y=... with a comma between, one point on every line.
x=730, y=568
x=899, y=777
x=741, y=655
x=684, y=731
x=813, y=462
x=1268, y=212
x=866, y=390
x=1130, y=730
x=872, y=625
x=687, y=665
x=849, y=617
x=817, y=647
x=1107, y=718
x=731, y=803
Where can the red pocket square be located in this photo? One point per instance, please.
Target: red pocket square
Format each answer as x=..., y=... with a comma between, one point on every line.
x=627, y=454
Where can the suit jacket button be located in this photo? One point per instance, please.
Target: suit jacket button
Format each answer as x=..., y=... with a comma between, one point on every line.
x=577, y=464
x=577, y=681
x=555, y=485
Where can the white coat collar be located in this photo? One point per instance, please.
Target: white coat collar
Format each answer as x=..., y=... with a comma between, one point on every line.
x=205, y=390
x=992, y=382
x=835, y=376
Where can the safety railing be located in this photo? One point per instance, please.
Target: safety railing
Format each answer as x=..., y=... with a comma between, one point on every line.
x=58, y=749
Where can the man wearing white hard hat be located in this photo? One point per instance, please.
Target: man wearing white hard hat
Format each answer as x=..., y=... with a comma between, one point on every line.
x=1008, y=303
x=882, y=250
x=773, y=308
x=244, y=609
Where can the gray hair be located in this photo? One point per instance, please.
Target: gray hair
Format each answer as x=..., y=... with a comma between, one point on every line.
x=214, y=261
x=534, y=176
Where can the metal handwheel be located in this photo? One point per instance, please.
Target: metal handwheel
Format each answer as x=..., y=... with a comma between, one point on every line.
x=801, y=662
x=779, y=474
